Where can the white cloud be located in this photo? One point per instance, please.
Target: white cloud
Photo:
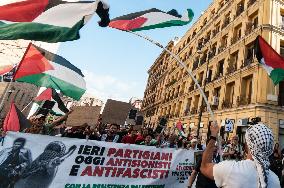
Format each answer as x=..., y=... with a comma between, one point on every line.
x=106, y=87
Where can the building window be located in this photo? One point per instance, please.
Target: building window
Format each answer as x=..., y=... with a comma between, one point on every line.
x=282, y=20
x=221, y=68
x=282, y=49
x=209, y=78
x=249, y=55
x=229, y=97
x=246, y=90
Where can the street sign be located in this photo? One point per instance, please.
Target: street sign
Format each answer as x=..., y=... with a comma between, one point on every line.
x=229, y=125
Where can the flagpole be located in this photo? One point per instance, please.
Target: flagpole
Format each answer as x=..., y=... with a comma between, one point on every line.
x=27, y=105
x=5, y=95
x=182, y=65
x=10, y=83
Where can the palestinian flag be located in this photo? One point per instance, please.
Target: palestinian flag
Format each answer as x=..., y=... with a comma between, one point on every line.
x=51, y=95
x=48, y=20
x=15, y=120
x=151, y=19
x=270, y=60
x=43, y=68
x=179, y=127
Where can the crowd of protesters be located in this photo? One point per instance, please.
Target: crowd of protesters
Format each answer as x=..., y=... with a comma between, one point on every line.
x=230, y=149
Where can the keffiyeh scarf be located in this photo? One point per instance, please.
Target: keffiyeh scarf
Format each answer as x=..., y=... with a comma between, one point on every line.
x=260, y=141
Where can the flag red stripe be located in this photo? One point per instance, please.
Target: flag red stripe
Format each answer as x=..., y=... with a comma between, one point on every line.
x=6, y=69
x=271, y=57
x=46, y=95
x=25, y=11
x=128, y=25
x=33, y=62
x=11, y=122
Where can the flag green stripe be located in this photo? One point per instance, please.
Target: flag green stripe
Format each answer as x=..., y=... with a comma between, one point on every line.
x=39, y=32
x=277, y=75
x=162, y=25
x=45, y=80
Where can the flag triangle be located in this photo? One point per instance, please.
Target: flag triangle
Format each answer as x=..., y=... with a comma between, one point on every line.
x=15, y=120
x=33, y=62
x=46, y=95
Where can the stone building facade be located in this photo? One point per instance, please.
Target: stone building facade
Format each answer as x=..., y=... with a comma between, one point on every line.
x=238, y=88
x=21, y=93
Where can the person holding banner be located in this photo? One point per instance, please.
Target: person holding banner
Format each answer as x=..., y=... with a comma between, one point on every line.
x=111, y=135
x=252, y=172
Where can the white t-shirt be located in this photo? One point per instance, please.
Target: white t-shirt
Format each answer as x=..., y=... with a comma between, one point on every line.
x=233, y=174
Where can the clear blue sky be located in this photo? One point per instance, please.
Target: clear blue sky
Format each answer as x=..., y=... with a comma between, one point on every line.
x=115, y=63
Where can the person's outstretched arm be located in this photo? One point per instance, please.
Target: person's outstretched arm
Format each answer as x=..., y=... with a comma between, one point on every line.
x=207, y=157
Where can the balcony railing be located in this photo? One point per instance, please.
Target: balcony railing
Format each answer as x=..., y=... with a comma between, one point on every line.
x=231, y=68
x=243, y=100
x=193, y=110
x=247, y=62
x=191, y=88
x=212, y=53
x=240, y=10
x=203, y=60
x=250, y=2
x=221, y=48
x=235, y=39
x=195, y=65
x=226, y=104
x=226, y=22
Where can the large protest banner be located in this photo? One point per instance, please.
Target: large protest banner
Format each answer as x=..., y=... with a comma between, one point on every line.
x=38, y=161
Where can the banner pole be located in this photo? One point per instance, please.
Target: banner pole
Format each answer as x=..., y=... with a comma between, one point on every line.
x=27, y=105
x=5, y=95
x=182, y=65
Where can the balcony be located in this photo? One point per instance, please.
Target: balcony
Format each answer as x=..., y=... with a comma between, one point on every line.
x=217, y=76
x=214, y=33
x=221, y=48
x=212, y=53
x=226, y=104
x=203, y=60
x=247, y=62
x=235, y=39
x=243, y=100
x=199, y=46
x=240, y=10
x=193, y=110
x=171, y=83
x=191, y=88
x=186, y=112
x=231, y=68
x=250, y=2
x=195, y=65
x=226, y=22
x=206, y=40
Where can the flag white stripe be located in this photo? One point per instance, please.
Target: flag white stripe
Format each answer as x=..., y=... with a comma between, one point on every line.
x=66, y=15
x=160, y=17
x=67, y=75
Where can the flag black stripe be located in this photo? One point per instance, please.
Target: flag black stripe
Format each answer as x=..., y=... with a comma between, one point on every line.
x=54, y=3
x=59, y=60
x=24, y=122
x=60, y=103
x=136, y=14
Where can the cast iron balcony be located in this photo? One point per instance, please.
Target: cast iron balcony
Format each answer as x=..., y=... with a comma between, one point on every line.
x=240, y=10
x=195, y=65
x=235, y=39
x=250, y=2
x=226, y=22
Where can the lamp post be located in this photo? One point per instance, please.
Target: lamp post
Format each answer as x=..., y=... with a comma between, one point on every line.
x=202, y=101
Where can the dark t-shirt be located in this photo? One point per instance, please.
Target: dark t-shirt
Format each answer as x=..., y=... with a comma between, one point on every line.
x=202, y=181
